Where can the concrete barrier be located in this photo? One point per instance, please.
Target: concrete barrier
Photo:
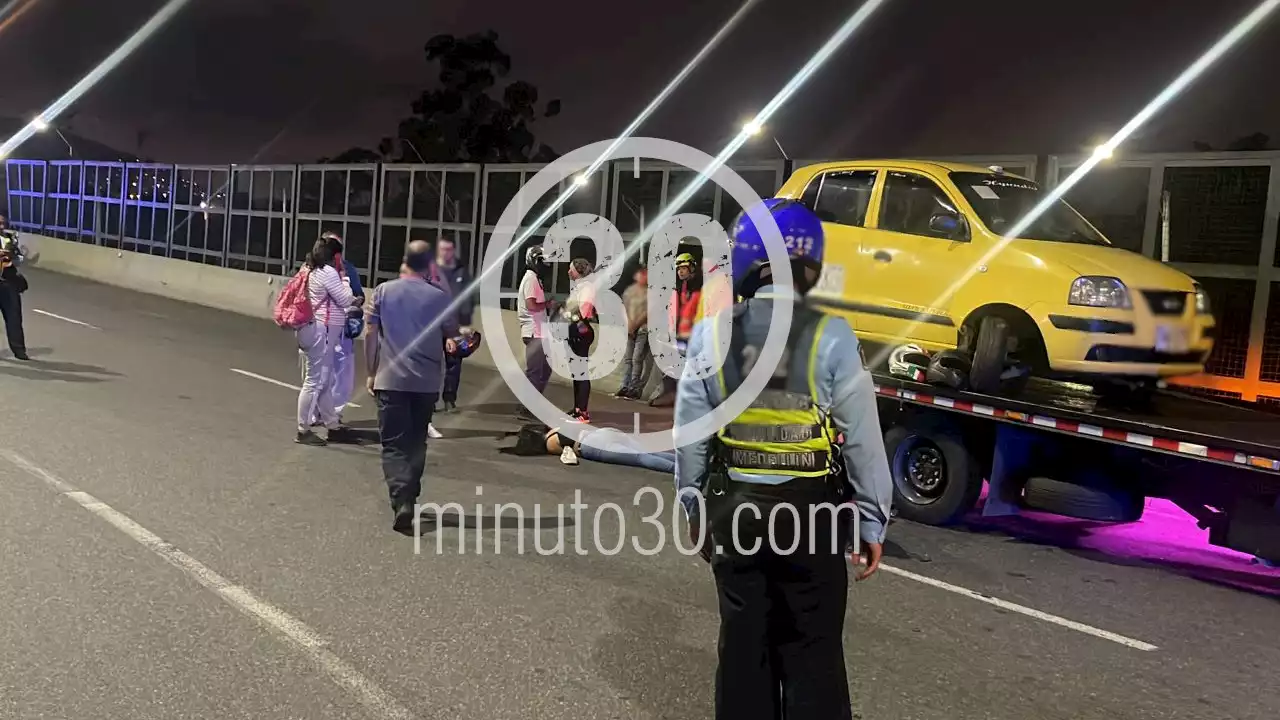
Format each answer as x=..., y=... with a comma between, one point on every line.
x=238, y=291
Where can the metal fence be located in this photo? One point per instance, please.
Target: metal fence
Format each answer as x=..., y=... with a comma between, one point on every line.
x=1212, y=215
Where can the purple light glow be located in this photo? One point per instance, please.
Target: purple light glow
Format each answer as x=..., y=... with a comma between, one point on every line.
x=1166, y=537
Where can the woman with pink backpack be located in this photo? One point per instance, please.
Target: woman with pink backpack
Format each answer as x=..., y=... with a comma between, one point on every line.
x=314, y=304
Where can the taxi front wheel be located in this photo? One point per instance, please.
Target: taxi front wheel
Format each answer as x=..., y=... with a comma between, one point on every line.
x=990, y=355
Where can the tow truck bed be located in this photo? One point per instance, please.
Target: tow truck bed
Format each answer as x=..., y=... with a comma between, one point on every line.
x=1176, y=422
x=1057, y=448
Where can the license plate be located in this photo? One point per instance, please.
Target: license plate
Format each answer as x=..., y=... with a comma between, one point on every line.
x=1171, y=339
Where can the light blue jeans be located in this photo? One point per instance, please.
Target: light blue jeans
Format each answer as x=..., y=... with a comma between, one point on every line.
x=615, y=447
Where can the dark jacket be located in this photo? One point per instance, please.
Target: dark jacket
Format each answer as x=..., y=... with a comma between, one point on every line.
x=454, y=281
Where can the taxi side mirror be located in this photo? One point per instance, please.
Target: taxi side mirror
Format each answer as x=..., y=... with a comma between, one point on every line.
x=949, y=226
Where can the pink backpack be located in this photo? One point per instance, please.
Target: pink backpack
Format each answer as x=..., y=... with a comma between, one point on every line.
x=293, y=304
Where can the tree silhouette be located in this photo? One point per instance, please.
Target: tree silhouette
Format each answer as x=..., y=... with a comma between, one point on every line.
x=353, y=155
x=460, y=120
x=1248, y=143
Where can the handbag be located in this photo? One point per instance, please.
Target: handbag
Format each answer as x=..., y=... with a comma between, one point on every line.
x=20, y=282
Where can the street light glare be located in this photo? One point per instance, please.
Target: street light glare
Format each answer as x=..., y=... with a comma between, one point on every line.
x=39, y=124
x=752, y=128
x=1103, y=152
x=581, y=181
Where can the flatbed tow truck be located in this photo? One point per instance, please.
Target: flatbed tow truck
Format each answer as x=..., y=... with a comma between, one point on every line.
x=1058, y=448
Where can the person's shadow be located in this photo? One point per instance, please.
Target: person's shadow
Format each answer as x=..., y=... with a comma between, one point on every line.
x=38, y=369
x=644, y=660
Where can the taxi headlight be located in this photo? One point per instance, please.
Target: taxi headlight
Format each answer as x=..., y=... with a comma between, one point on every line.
x=1093, y=291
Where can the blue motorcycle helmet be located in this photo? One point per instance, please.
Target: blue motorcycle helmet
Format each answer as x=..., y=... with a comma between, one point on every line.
x=801, y=231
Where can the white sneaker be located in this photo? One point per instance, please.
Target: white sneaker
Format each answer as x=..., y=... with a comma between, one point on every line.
x=568, y=456
x=432, y=432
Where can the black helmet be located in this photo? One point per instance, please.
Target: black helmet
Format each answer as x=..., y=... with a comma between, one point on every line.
x=950, y=368
x=534, y=258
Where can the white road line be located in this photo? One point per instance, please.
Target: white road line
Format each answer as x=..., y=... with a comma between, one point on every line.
x=1022, y=610
x=293, y=631
x=73, y=321
x=273, y=381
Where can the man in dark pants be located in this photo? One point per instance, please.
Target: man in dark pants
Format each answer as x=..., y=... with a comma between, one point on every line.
x=405, y=346
x=12, y=285
x=455, y=278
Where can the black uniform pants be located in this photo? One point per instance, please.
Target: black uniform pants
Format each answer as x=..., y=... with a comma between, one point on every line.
x=781, y=614
x=11, y=310
x=580, y=345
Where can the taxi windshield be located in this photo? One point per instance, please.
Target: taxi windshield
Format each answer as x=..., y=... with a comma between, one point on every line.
x=1002, y=200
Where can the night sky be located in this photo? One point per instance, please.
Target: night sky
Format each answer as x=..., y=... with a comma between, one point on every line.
x=293, y=80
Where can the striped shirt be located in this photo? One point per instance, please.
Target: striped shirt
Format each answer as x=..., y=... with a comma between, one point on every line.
x=330, y=295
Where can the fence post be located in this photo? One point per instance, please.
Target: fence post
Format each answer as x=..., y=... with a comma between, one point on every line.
x=375, y=237
x=80, y=206
x=172, y=192
x=477, y=223
x=124, y=209
x=1151, y=224
x=297, y=205
x=1262, y=288
x=44, y=199
x=230, y=187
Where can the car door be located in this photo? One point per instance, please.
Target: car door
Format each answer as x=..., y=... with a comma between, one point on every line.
x=918, y=248
x=843, y=199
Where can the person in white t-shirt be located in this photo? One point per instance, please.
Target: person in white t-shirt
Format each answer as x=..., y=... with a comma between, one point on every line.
x=532, y=312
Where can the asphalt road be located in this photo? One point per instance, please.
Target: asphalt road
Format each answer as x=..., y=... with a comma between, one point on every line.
x=167, y=552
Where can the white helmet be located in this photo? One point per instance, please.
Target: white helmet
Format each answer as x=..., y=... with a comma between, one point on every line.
x=910, y=362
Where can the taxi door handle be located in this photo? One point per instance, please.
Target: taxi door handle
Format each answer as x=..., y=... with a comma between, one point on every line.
x=883, y=256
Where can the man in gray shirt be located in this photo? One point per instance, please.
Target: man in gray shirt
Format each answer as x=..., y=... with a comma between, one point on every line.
x=405, y=345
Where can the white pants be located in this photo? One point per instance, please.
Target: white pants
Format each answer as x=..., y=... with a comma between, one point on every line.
x=319, y=344
x=344, y=373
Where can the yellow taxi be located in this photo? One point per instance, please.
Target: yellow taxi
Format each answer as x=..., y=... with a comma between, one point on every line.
x=916, y=253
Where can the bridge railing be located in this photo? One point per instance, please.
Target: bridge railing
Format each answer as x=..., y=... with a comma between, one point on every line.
x=1212, y=215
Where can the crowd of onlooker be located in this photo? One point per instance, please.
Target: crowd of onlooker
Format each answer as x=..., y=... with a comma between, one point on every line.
x=418, y=334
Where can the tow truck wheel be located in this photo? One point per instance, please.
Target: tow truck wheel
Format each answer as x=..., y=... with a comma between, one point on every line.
x=990, y=354
x=935, y=479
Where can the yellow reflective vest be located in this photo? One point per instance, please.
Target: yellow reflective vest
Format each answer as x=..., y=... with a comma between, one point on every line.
x=784, y=431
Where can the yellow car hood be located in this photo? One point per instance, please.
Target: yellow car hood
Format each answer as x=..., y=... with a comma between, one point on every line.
x=1132, y=269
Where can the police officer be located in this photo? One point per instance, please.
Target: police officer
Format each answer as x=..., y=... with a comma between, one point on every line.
x=12, y=285
x=809, y=441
